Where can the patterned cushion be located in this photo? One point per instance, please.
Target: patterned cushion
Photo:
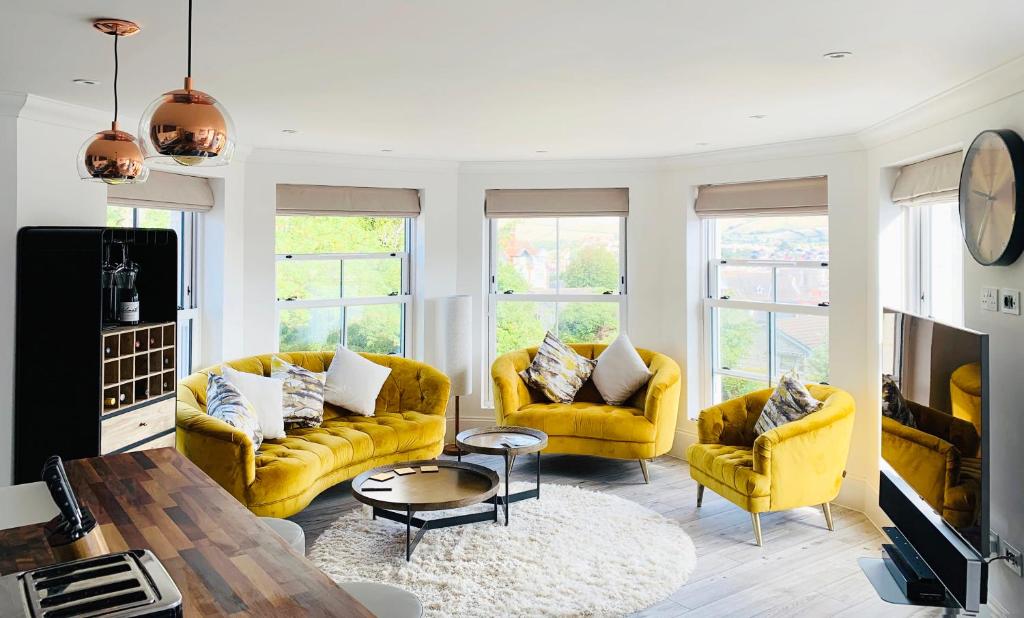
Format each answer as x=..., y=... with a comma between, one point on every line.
x=225, y=402
x=790, y=402
x=894, y=405
x=303, y=393
x=557, y=370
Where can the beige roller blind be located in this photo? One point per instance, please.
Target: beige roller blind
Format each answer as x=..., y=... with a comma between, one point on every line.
x=794, y=196
x=929, y=182
x=556, y=203
x=165, y=191
x=324, y=200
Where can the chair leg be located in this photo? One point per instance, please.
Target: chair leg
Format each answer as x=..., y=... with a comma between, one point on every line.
x=755, y=518
x=700, y=494
x=643, y=467
x=826, y=508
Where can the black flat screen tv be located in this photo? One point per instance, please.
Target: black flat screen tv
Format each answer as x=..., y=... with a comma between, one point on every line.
x=934, y=482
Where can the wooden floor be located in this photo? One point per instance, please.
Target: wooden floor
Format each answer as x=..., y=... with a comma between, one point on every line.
x=803, y=569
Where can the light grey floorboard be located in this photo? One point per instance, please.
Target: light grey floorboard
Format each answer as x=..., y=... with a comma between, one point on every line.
x=803, y=569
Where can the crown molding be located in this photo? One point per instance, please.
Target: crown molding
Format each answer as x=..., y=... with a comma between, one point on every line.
x=273, y=156
x=51, y=111
x=11, y=103
x=999, y=83
x=796, y=149
x=562, y=166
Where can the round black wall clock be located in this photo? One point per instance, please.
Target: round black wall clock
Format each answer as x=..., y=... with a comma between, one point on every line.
x=990, y=196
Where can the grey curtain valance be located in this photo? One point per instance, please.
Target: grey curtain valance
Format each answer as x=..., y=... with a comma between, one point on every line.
x=325, y=200
x=793, y=196
x=165, y=191
x=556, y=203
x=929, y=182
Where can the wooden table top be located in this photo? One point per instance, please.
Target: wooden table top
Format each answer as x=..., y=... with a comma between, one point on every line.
x=455, y=484
x=224, y=560
x=502, y=439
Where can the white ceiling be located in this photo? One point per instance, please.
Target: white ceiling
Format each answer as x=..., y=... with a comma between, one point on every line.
x=490, y=80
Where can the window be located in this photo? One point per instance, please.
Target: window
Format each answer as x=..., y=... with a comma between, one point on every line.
x=936, y=283
x=564, y=274
x=767, y=301
x=343, y=279
x=185, y=224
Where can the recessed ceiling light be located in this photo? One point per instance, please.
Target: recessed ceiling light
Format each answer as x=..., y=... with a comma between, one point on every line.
x=758, y=116
x=386, y=149
x=837, y=55
x=289, y=131
x=541, y=151
x=702, y=144
x=84, y=82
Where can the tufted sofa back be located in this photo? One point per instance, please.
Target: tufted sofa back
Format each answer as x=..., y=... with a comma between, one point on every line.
x=412, y=385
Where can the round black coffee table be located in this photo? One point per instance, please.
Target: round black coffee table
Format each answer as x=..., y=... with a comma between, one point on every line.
x=410, y=488
x=507, y=442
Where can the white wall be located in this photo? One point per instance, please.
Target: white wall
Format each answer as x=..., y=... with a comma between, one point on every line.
x=1006, y=332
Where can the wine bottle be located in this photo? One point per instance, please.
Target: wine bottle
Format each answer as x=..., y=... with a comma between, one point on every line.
x=128, y=294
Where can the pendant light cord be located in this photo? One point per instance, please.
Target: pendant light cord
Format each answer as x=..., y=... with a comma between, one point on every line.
x=116, y=37
x=190, y=38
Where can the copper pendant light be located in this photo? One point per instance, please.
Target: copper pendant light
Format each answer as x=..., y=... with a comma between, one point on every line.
x=113, y=156
x=188, y=125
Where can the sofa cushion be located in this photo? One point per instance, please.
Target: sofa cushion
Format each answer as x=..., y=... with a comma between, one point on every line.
x=585, y=420
x=288, y=466
x=731, y=465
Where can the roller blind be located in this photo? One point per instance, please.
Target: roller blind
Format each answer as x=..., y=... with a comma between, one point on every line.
x=324, y=200
x=164, y=191
x=929, y=182
x=794, y=196
x=556, y=203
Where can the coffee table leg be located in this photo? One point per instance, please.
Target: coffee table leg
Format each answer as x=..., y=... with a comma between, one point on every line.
x=538, y=475
x=508, y=472
x=408, y=533
x=495, y=500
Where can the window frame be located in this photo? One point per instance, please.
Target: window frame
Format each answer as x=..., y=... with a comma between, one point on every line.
x=494, y=296
x=711, y=301
x=920, y=221
x=405, y=298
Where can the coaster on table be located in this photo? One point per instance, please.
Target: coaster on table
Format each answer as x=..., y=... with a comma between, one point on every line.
x=404, y=471
x=383, y=476
x=428, y=468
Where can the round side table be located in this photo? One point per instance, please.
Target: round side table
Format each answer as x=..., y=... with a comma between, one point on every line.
x=507, y=442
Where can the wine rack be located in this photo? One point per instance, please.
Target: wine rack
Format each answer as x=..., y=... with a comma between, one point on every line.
x=138, y=364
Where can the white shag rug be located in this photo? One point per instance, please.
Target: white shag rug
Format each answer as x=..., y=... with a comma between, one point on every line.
x=572, y=553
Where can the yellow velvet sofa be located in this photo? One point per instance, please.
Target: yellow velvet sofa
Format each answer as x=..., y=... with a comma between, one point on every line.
x=931, y=458
x=286, y=474
x=641, y=429
x=801, y=463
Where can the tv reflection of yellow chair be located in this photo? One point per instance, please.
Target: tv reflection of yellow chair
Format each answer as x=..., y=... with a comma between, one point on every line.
x=930, y=459
x=965, y=394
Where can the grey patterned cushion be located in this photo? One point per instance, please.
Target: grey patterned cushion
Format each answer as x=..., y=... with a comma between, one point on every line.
x=790, y=402
x=557, y=370
x=894, y=405
x=303, y=401
x=225, y=402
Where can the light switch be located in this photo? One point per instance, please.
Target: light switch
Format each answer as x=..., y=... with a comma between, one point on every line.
x=1009, y=301
x=990, y=299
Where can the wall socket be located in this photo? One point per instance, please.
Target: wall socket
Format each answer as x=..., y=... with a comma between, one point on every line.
x=1009, y=301
x=1014, y=561
x=990, y=299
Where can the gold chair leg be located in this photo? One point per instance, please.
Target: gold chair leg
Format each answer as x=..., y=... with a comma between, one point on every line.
x=643, y=467
x=826, y=508
x=755, y=518
x=700, y=494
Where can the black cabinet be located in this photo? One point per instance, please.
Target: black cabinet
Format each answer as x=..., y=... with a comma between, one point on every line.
x=64, y=368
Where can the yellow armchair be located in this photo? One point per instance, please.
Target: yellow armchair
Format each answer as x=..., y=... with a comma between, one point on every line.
x=642, y=428
x=287, y=473
x=801, y=463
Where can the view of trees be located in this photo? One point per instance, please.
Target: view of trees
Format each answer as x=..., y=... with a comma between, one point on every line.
x=370, y=328
x=586, y=251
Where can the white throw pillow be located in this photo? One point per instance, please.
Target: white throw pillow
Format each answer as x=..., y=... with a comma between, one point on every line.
x=620, y=372
x=353, y=382
x=266, y=396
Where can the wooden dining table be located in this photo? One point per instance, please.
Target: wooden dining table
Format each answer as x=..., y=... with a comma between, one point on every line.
x=224, y=560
